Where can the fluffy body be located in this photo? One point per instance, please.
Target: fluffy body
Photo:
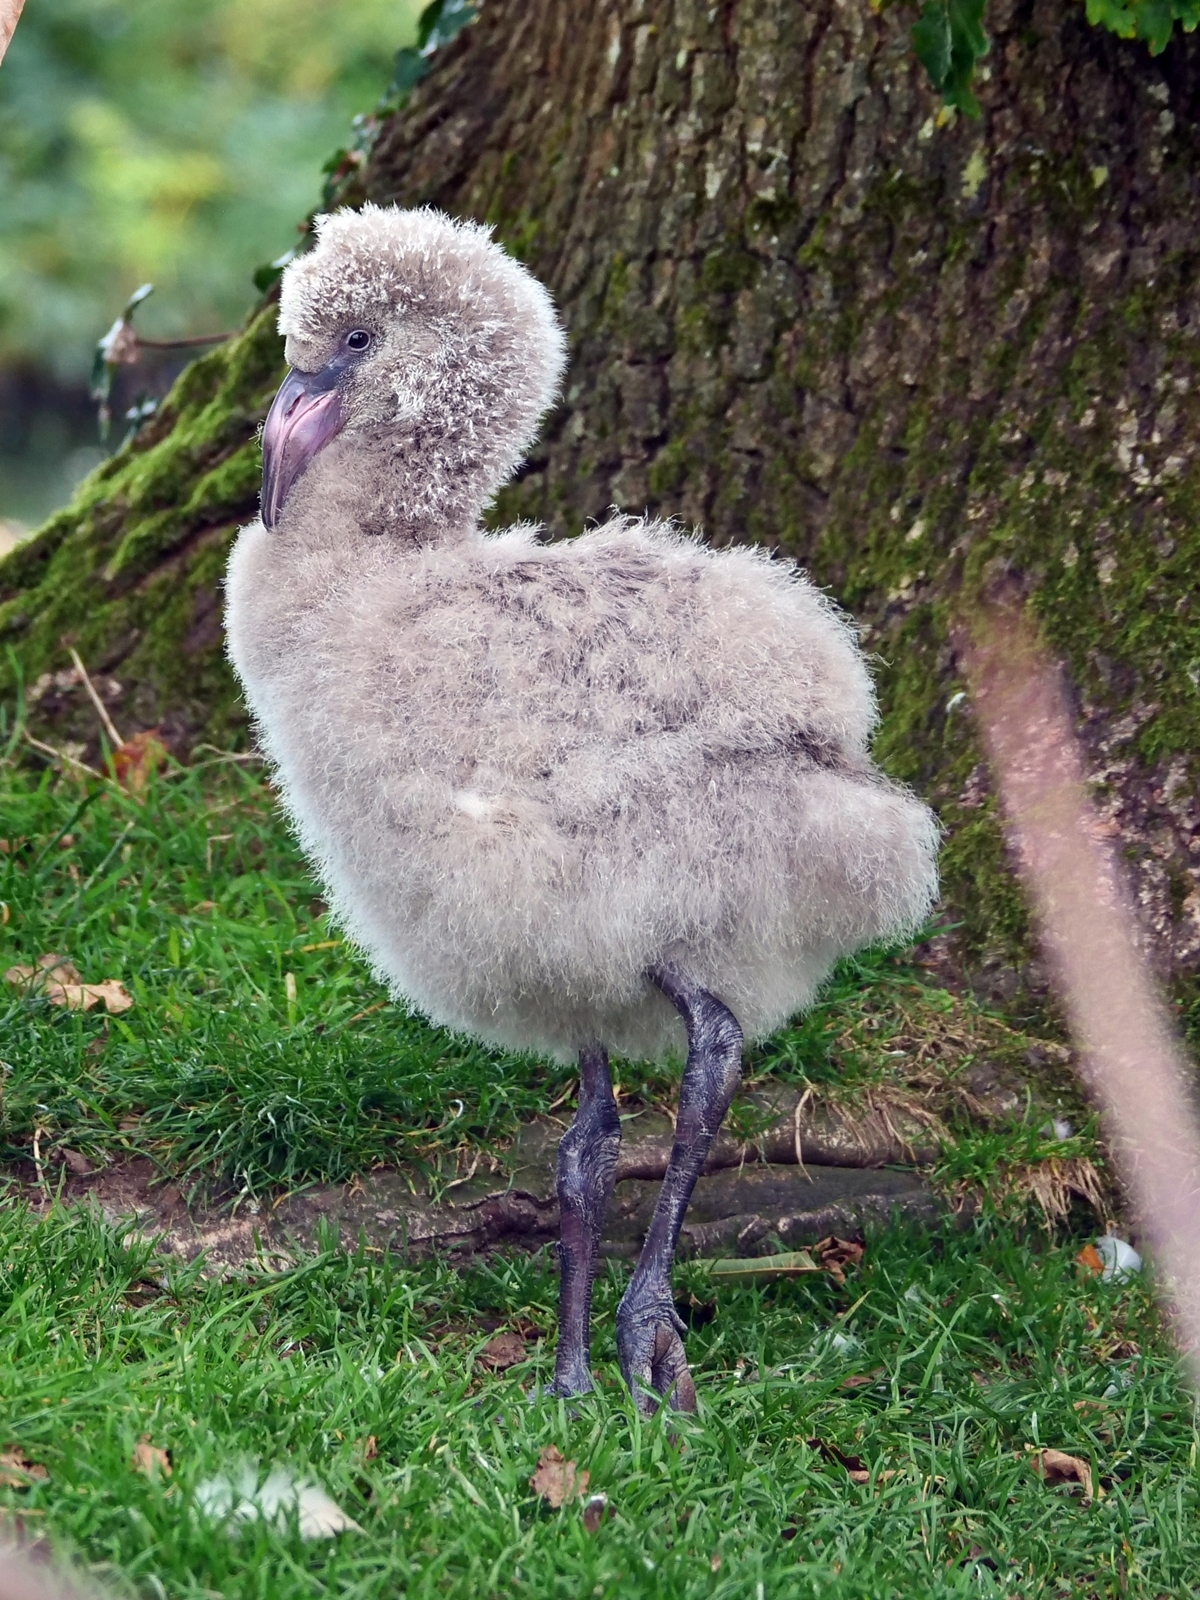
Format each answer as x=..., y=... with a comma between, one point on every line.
x=529, y=772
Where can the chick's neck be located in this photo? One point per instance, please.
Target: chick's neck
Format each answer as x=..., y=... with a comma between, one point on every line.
x=385, y=485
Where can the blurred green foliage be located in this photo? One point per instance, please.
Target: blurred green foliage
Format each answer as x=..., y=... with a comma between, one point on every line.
x=181, y=144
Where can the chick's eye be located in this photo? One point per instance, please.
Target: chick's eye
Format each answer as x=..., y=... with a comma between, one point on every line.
x=359, y=339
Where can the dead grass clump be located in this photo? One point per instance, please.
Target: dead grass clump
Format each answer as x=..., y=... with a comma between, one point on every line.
x=1055, y=1182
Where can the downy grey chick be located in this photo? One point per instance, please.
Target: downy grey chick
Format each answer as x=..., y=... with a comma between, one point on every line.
x=563, y=794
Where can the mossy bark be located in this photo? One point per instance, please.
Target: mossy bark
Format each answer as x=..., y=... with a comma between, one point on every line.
x=804, y=309
x=129, y=574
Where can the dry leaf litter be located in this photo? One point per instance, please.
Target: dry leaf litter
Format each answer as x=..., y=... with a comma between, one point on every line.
x=58, y=979
x=558, y=1480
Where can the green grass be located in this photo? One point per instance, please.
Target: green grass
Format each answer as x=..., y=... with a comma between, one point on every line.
x=196, y=898
x=260, y=1051
x=975, y=1348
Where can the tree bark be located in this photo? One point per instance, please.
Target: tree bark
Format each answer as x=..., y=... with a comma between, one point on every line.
x=807, y=310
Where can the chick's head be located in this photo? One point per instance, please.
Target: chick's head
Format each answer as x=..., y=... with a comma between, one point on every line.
x=437, y=353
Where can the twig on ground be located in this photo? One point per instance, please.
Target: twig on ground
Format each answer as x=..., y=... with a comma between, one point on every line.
x=37, y=1161
x=62, y=755
x=101, y=710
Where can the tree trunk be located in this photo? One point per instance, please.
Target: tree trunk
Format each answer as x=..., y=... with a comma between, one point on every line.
x=807, y=310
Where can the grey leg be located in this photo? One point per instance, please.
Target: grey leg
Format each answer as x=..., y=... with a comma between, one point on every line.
x=648, y=1329
x=587, y=1164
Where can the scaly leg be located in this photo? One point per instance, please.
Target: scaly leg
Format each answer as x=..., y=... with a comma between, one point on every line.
x=587, y=1165
x=648, y=1329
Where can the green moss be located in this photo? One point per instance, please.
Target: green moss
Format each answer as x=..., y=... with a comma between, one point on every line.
x=616, y=288
x=772, y=215
x=129, y=572
x=669, y=469
x=729, y=269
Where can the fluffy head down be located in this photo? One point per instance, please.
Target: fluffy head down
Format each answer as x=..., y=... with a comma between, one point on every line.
x=466, y=352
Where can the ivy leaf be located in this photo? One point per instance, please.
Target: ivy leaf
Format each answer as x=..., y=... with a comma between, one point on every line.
x=411, y=67
x=1156, y=24
x=1115, y=15
x=440, y=21
x=437, y=25
x=931, y=41
x=1152, y=21
x=949, y=39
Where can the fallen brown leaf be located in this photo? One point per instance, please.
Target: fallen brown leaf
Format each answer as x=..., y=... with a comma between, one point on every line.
x=59, y=980
x=558, y=1480
x=1090, y=1259
x=136, y=760
x=858, y=1379
x=58, y=969
x=17, y=1471
x=835, y=1255
x=1055, y=1467
x=596, y=1511
x=857, y=1469
x=370, y=1448
x=504, y=1351
x=149, y=1458
x=830, y=1452
x=112, y=991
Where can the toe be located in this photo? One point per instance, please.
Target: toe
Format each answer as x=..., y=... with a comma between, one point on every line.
x=654, y=1363
x=670, y=1373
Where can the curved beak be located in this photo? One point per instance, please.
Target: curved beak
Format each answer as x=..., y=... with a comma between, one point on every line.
x=304, y=416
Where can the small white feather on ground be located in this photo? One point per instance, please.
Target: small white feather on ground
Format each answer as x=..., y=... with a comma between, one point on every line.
x=244, y=1495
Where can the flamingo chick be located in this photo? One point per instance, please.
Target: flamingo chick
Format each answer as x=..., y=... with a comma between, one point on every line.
x=566, y=795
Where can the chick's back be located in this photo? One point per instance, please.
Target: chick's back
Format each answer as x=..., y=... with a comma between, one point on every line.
x=571, y=673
